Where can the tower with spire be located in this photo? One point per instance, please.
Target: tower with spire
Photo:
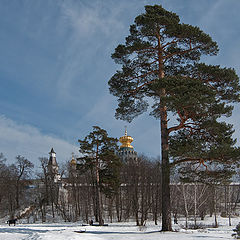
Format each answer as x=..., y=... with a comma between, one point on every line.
x=53, y=167
x=126, y=152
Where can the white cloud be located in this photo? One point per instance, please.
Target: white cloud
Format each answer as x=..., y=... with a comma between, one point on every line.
x=91, y=30
x=88, y=19
x=17, y=139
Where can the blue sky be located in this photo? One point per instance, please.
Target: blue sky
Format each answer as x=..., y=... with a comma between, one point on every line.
x=55, y=62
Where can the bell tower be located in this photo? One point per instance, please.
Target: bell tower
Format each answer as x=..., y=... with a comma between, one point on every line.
x=53, y=167
x=73, y=166
x=126, y=152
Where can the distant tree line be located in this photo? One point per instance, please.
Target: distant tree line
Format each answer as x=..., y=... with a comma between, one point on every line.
x=126, y=191
x=138, y=196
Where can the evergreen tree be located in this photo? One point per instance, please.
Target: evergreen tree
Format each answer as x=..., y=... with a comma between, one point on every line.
x=98, y=150
x=161, y=65
x=109, y=173
x=209, y=150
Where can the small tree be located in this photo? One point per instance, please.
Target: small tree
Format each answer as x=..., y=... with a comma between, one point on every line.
x=4, y=175
x=43, y=197
x=98, y=150
x=44, y=177
x=23, y=169
x=7, y=186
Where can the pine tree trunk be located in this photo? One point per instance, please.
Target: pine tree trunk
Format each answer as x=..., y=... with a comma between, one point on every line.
x=155, y=205
x=99, y=205
x=185, y=205
x=99, y=199
x=166, y=203
x=17, y=195
x=136, y=217
x=119, y=205
x=229, y=206
x=215, y=208
x=195, y=206
x=53, y=214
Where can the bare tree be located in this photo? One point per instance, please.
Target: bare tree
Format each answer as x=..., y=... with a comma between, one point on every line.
x=23, y=170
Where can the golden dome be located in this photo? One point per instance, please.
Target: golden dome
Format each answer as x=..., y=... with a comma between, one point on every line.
x=126, y=140
x=73, y=161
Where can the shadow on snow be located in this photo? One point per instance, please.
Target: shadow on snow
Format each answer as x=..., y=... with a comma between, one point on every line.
x=122, y=233
x=21, y=230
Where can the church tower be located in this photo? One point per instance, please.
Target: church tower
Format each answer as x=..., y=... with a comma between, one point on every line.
x=126, y=152
x=53, y=167
x=73, y=166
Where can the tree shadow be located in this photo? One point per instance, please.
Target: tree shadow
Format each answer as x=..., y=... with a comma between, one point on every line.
x=120, y=233
x=21, y=230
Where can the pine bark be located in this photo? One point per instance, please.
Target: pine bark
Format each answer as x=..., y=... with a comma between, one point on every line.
x=99, y=199
x=166, y=202
x=166, y=206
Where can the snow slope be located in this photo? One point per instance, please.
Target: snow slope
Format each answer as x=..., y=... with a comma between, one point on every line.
x=116, y=231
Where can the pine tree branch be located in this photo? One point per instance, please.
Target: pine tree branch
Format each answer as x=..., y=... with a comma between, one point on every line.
x=183, y=119
x=146, y=83
x=143, y=76
x=190, y=159
x=146, y=50
x=181, y=52
x=169, y=43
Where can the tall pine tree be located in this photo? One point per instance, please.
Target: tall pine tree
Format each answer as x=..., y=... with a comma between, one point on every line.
x=161, y=64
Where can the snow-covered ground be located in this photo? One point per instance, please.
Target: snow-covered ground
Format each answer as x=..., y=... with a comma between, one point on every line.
x=116, y=231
